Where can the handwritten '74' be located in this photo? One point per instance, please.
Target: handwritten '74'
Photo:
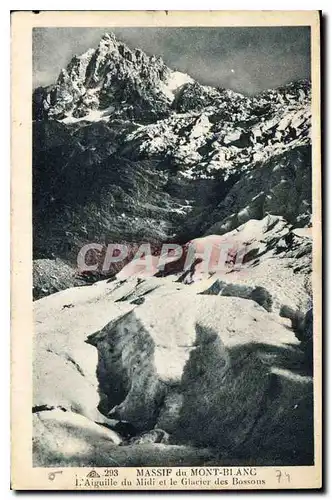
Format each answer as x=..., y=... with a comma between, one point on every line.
x=281, y=474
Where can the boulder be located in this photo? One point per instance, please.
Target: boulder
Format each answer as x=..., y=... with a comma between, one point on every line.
x=154, y=436
x=258, y=294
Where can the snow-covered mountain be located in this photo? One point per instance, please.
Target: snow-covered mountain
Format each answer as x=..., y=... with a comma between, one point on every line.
x=200, y=128
x=155, y=153
x=113, y=80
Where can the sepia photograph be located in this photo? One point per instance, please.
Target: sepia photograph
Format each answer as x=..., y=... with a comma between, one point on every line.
x=175, y=252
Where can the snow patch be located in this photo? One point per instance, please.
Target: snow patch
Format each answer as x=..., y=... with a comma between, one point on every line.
x=175, y=81
x=95, y=115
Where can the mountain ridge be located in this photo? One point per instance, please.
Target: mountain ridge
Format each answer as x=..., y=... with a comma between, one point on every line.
x=158, y=163
x=113, y=74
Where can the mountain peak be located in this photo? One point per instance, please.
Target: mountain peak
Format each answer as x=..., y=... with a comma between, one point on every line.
x=108, y=41
x=108, y=36
x=113, y=79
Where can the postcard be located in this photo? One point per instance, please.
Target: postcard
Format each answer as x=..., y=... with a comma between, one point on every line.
x=166, y=250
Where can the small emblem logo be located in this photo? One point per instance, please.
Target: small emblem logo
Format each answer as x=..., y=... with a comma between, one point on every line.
x=93, y=473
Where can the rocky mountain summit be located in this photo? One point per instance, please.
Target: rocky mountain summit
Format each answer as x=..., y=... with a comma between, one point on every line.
x=179, y=366
x=112, y=80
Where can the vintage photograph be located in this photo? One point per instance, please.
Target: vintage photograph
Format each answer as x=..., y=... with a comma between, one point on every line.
x=172, y=246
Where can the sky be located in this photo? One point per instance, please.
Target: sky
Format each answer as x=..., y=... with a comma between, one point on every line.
x=246, y=60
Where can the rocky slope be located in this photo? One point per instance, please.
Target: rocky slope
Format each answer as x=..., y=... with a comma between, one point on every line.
x=128, y=151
